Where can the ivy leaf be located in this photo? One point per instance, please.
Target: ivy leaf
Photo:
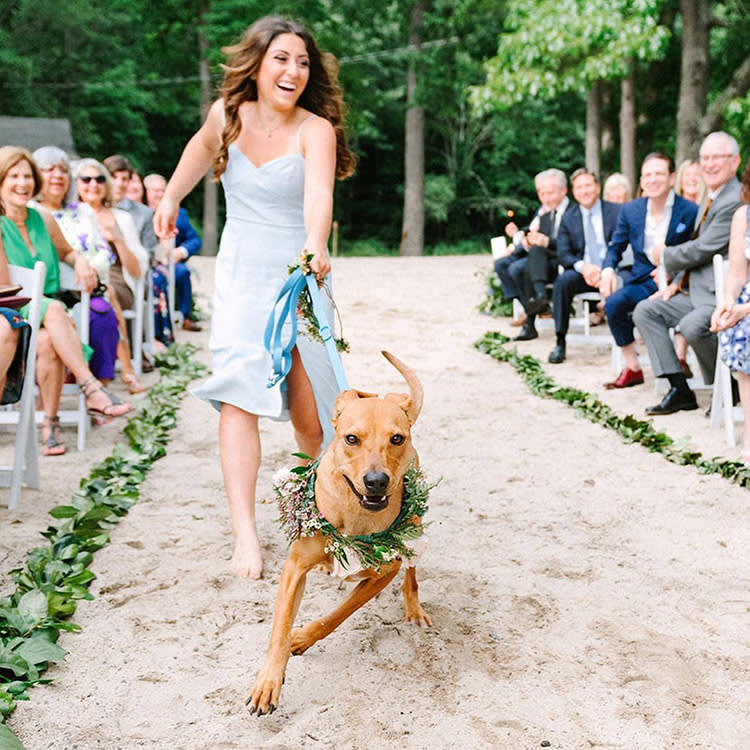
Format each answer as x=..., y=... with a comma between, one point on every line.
x=38, y=648
x=33, y=606
x=8, y=740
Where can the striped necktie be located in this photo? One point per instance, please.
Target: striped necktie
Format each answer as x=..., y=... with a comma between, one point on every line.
x=699, y=225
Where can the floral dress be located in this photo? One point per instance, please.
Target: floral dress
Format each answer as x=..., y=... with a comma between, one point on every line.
x=734, y=344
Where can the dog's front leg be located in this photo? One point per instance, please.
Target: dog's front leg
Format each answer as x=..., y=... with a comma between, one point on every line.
x=304, y=637
x=410, y=590
x=264, y=696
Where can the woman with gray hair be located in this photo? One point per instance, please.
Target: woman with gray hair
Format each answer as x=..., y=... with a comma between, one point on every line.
x=78, y=225
x=129, y=258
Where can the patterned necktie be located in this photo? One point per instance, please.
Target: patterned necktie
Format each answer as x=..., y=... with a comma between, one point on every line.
x=553, y=230
x=592, y=252
x=699, y=225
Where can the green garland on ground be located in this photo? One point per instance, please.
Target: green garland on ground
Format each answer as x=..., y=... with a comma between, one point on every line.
x=57, y=575
x=589, y=406
x=300, y=517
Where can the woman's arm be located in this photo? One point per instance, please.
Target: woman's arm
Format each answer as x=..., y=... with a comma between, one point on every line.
x=319, y=149
x=728, y=313
x=136, y=254
x=4, y=270
x=196, y=158
x=112, y=232
x=85, y=275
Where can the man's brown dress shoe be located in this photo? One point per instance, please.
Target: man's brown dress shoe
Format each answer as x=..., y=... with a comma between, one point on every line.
x=190, y=325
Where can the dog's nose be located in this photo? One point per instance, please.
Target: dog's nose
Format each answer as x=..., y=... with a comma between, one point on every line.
x=376, y=482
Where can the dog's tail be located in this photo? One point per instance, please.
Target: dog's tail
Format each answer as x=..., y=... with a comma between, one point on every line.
x=414, y=404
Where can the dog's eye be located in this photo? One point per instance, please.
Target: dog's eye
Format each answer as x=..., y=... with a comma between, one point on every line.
x=398, y=440
x=352, y=440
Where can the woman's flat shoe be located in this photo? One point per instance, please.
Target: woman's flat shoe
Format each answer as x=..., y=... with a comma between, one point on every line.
x=51, y=443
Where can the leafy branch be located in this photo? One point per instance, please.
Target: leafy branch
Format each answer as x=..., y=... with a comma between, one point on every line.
x=57, y=575
x=590, y=407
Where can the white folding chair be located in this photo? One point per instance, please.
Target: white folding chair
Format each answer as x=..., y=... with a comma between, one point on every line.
x=25, y=466
x=136, y=315
x=722, y=410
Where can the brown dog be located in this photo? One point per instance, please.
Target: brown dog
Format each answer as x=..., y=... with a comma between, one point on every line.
x=358, y=488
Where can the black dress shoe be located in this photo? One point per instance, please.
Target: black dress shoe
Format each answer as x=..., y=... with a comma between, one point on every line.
x=557, y=355
x=677, y=399
x=536, y=306
x=528, y=332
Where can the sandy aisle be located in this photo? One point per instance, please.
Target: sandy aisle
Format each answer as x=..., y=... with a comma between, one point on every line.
x=583, y=591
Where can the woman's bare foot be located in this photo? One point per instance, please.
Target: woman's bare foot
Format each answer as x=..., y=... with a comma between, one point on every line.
x=247, y=560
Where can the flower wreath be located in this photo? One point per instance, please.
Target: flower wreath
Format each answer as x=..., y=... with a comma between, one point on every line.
x=305, y=306
x=300, y=517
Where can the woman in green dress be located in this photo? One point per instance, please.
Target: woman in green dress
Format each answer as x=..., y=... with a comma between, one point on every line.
x=27, y=237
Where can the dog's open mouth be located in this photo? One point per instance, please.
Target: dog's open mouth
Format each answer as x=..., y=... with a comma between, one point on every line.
x=368, y=502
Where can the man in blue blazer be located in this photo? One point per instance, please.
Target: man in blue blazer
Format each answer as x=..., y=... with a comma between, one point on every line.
x=658, y=217
x=585, y=232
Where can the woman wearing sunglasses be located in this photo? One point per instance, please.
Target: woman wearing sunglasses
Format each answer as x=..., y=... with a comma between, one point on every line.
x=29, y=236
x=129, y=258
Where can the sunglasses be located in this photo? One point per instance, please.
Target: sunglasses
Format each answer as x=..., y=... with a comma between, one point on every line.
x=100, y=179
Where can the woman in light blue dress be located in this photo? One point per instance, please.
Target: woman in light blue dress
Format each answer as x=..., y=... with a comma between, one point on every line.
x=275, y=139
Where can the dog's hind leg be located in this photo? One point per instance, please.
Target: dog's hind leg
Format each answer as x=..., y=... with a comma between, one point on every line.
x=410, y=590
x=304, y=637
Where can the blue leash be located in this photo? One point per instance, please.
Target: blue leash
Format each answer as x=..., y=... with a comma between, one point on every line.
x=285, y=308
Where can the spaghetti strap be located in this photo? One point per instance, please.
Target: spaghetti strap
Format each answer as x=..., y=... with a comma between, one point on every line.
x=299, y=130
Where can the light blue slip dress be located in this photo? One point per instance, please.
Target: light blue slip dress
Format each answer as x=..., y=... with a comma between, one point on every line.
x=264, y=234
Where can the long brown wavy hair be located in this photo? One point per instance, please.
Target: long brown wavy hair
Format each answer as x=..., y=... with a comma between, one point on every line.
x=322, y=95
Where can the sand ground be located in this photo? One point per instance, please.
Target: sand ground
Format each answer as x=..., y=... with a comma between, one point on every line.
x=583, y=591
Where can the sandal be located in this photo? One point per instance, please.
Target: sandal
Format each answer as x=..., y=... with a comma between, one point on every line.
x=115, y=407
x=51, y=443
x=133, y=383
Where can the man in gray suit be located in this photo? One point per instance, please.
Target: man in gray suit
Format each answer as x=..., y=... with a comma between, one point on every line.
x=690, y=299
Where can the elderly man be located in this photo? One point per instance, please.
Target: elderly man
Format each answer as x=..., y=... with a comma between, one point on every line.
x=187, y=243
x=690, y=299
x=585, y=232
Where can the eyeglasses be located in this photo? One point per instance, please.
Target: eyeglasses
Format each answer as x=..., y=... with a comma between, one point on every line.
x=708, y=158
x=100, y=179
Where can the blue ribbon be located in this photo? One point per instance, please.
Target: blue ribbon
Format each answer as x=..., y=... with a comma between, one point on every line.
x=285, y=308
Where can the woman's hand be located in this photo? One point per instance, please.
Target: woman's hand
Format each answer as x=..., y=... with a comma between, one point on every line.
x=85, y=275
x=108, y=225
x=727, y=315
x=320, y=264
x=165, y=218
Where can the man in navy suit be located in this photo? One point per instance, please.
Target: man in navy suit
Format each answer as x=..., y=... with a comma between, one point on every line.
x=585, y=232
x=658, y=217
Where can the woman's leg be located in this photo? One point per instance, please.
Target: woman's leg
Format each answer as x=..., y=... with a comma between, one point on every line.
x=50, y=373
x=743, y=381
x=124, y=356
x=8, y=345
x=67, y=347
x=302, y=409
x=239, y=448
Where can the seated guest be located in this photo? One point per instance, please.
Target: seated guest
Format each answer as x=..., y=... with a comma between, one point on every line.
x=585, y=232
x=136, y=192
x=617, y=188
x=541, y=264
x=28, y=237
x=187, y=244
x=692, y=262
x=689, y=182
x=732, y=314
x=78, y=225
x=658, y=217
x=128, y=258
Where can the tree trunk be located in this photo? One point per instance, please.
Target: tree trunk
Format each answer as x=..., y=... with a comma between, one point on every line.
x=696, y=19
x=607, y=141
x=210, y=188
x=736, y=88
x=627, y=126
x=412, y=227
x=593, y=129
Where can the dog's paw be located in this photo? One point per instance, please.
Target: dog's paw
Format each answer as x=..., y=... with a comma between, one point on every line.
x=418, y=616
x=264, y=697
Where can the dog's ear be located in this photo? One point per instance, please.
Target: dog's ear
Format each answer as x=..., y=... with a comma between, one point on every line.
x=403, y=401
x=346, y=397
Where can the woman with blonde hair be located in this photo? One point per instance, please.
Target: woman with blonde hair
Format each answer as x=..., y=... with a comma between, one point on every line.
x=275, y=138
x=617, y=188
x=689, y=181
x=29, y=236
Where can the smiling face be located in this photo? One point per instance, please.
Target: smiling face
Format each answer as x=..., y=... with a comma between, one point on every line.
x=586, y=190
x=55, y=183
x=17, y=189
x=718, y=164
x=92, y=186
x=284, y=71
x=656, y=179
x=691, y=181
x=120, y=182
x=550, y=192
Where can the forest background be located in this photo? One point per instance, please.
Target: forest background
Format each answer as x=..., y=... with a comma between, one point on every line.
x=453, y=106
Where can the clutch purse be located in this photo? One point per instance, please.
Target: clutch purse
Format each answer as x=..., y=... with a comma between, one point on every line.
x=9, y=290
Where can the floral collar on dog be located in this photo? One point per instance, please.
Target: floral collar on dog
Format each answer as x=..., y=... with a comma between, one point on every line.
x=300, y=517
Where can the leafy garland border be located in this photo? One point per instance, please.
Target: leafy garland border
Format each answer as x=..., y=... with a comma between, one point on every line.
x=589, y=406
x=57, y=575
